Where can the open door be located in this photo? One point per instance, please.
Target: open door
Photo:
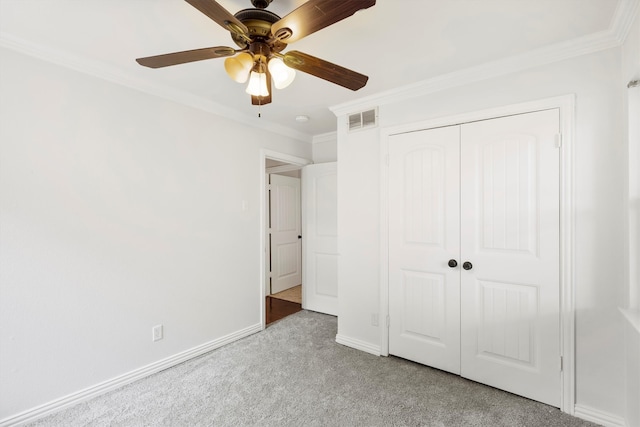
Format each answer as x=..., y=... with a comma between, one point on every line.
x=320, y=245
x=285, y=233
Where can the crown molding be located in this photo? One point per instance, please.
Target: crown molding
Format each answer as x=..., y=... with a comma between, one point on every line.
x=106, y=72
x=621, y=22
x=614, y=36
x=623, y=17
x=325, y=137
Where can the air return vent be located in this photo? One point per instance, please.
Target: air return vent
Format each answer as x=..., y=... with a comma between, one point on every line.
x=364, y=119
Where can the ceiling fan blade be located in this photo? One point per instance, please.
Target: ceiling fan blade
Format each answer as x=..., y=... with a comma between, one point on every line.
x=263, y=100
x=315, y=15
x=325, y=70
x=185, y=56
x=220, y=15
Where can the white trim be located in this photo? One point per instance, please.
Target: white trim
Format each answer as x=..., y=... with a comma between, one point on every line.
x=358, y=344
x=567, y=244
x=502, y=67
x=282, y=168
x=566, y=105
x=281, y=157
x=122, y=380
x=632, y=199
x=383, y=309
x=112, y=74
x=610, y=38
x=598, y=417
x=623, y=18
x=563, y=102
x=325, y=137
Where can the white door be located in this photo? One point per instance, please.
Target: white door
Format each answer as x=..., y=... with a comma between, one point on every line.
x=320, y=243
x=424, y=234
x=510, y=235
x=284, y=230
x=508, y=221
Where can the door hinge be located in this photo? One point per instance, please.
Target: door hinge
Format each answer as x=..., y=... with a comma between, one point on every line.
x=558, y=140
x=388, y=321
x=561, y=364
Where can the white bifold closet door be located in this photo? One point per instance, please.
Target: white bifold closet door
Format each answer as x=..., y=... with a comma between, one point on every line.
x=474, y=251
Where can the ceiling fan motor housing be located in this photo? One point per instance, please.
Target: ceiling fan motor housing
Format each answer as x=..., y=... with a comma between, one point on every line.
x=260, y=4
x=259, y=22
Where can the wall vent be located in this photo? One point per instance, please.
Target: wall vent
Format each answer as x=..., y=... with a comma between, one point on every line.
x=363, y=119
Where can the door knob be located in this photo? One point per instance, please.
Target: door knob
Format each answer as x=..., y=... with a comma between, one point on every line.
x=453, y=263
x=467, y=265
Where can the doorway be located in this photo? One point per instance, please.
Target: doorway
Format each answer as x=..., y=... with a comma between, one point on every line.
x=283, y=240
x=281, y=254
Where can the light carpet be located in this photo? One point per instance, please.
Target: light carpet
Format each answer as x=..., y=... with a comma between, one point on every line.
x=295, y=374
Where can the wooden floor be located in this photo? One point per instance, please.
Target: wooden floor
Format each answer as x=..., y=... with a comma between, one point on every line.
x=278, y=309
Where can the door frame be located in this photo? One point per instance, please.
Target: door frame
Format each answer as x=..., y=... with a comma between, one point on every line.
x=566, y=106
x=281, y=157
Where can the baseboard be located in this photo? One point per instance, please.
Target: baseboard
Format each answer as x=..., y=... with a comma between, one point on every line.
x=358, y=345
x=598, y=417
x=122, y=380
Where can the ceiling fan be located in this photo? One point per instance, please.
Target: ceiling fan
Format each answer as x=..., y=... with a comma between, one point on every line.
x=261, y=36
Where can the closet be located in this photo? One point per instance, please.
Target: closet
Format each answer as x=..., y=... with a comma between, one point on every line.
x=474, y=251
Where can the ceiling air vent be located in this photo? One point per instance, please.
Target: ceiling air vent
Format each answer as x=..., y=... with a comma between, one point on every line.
x=364, y=119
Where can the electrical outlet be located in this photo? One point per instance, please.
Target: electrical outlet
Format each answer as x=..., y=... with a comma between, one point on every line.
x=374, y=319
x=156, y=333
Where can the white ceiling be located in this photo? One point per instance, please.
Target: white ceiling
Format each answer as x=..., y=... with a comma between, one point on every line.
x=395, y=43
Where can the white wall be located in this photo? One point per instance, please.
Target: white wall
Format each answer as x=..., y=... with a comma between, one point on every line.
x=358, y=234
x=118, y=211
x=631, y=71
x=599, y=198
x=324, y=148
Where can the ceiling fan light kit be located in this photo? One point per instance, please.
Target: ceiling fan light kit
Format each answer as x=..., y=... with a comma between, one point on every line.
x=282, y=75
x=261, y=36
x=257, y=84
x=239, y=67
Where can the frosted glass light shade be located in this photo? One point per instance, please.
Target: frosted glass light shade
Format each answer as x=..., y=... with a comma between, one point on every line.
x=282, y=75
x=257, y=84
x=239, y=66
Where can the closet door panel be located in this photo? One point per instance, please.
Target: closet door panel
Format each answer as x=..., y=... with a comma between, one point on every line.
x=424, y=235
x=510, y=236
